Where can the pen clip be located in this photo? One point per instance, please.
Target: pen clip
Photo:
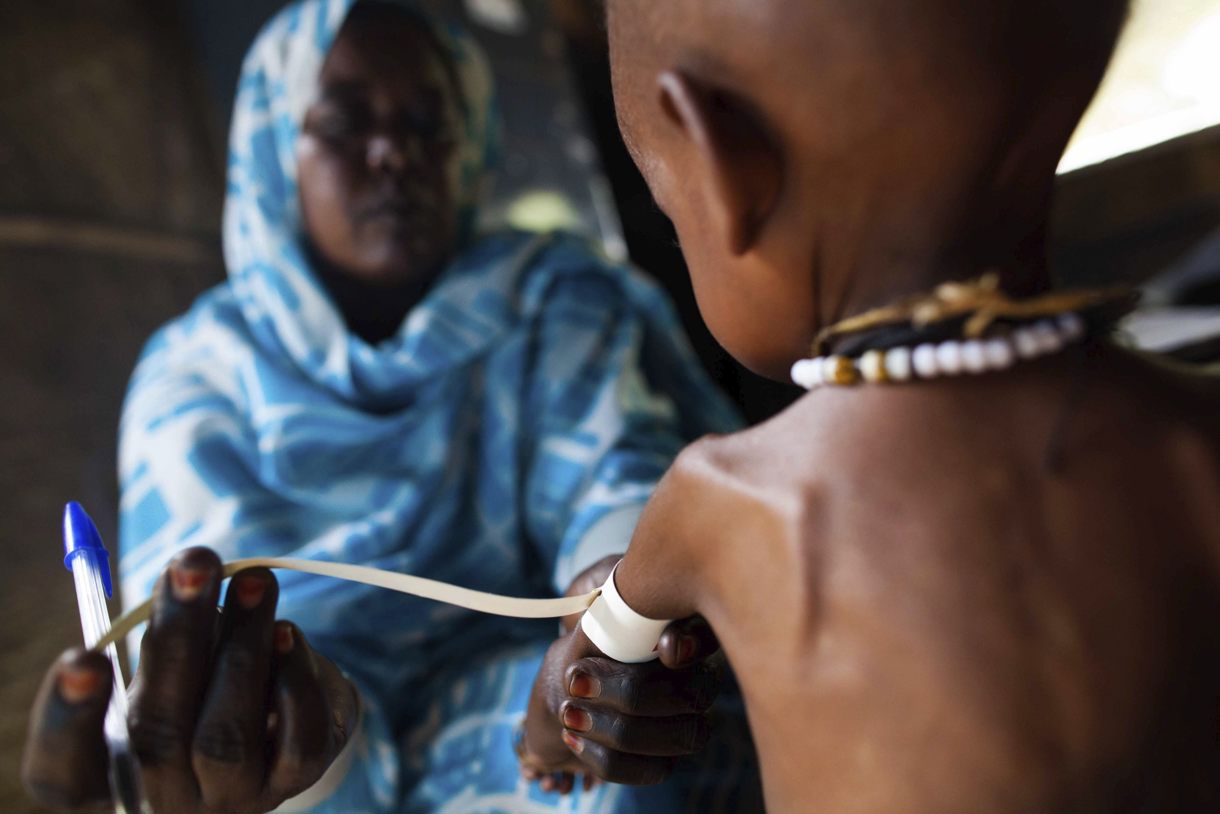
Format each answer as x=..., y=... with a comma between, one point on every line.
x=82, y=539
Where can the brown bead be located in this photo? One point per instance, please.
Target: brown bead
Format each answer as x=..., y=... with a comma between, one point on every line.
x=842, y=371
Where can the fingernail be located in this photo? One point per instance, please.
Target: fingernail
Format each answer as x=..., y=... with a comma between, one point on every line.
x=186, y=582
x=283, y=639
x=584, y=686
x=576, y=744
x=78, y=685
x=250, y=590
x=686, y=648
x=576, y=718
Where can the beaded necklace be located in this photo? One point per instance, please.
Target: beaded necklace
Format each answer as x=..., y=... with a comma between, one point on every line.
x=961, y=327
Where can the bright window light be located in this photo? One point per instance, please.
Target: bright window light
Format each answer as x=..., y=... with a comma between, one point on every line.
x=1164, y=82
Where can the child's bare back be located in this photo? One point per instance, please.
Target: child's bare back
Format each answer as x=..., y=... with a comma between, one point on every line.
x=992, y=595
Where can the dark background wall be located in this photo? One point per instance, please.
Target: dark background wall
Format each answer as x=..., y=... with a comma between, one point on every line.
x=109, y=196
x=111, y=155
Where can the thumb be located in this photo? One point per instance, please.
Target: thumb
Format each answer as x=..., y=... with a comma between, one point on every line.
x=686, y=642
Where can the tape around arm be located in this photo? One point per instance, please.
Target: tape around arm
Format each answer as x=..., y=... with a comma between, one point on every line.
x=617, y=630
x=402, y=583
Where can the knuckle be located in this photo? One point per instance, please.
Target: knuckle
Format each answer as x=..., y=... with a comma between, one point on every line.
x=156, y=736
x=617, y=731
x=630, y=691
x=239, y=664
x=223, y=742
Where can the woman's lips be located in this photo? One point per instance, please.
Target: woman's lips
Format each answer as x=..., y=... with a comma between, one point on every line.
x=388, y=210
x=397, y=216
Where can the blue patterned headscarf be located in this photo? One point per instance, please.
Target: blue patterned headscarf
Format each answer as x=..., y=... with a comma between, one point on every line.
x=285, y=303
x=510, y=431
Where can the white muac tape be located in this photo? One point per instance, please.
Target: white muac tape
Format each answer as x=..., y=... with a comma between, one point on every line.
x=403, y=583
x=617, y=630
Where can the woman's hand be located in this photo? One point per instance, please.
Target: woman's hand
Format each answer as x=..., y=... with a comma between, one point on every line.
x=626, y=723
x=230, y=712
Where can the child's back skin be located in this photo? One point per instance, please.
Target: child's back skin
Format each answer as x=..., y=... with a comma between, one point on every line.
x=992, y=593
x=924, y=618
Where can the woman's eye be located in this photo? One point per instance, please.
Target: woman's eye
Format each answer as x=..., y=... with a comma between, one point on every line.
x=424, y=125
x=336, y=124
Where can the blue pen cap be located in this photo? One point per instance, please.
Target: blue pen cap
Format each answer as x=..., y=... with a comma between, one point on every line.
x=82, y=540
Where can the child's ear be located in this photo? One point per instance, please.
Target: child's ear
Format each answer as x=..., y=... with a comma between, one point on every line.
x=742, y=163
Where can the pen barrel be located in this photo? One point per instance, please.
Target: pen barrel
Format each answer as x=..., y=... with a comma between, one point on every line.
x=95, y=622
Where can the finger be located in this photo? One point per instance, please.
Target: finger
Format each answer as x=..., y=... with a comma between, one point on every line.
x=560, y=782
x=65, y=763
x=175, y=660
x=686, y=642
x=641, y=689
x=312, y=721
x=230, y=741
x=618, y=767
x=564, y=782
x=673, y=736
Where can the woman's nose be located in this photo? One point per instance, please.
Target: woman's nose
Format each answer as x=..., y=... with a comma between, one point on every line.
x=386, y=154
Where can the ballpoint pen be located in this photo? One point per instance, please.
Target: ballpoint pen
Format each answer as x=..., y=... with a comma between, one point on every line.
x=89, y=562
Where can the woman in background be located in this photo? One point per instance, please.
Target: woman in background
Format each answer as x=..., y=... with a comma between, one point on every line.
x=377, y=384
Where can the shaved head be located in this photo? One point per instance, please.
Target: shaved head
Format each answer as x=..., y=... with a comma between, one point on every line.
x=803, y=55
x=821, y=138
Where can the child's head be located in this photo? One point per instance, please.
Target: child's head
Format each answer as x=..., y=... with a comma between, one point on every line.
x=816, y=155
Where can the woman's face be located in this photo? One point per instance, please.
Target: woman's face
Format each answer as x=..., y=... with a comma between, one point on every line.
x=378, y=158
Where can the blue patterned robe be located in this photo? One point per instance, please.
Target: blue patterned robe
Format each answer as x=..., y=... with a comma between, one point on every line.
x=504, y=439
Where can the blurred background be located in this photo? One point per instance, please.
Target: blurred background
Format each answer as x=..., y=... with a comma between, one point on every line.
x=113, y=116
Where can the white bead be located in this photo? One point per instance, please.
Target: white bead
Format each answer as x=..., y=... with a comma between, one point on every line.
x=1025, y=340
x=1000, y=354
x=1048, y=338
x=949, y=357
x=872, y=366
x=805, y=372
x=924, y=362
x=974, y=357
x=815, y=372
x=795, y=373
x=1071, y=327
x=898, y=364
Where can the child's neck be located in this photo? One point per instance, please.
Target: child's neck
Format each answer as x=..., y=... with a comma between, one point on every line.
x=876, y=276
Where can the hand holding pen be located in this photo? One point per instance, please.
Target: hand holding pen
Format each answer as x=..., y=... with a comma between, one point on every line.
x=231, y=712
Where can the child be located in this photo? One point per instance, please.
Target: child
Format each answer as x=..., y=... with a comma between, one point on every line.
x=990, y=585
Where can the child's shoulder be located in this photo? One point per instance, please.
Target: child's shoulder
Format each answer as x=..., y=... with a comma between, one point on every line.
x=1114, y=418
